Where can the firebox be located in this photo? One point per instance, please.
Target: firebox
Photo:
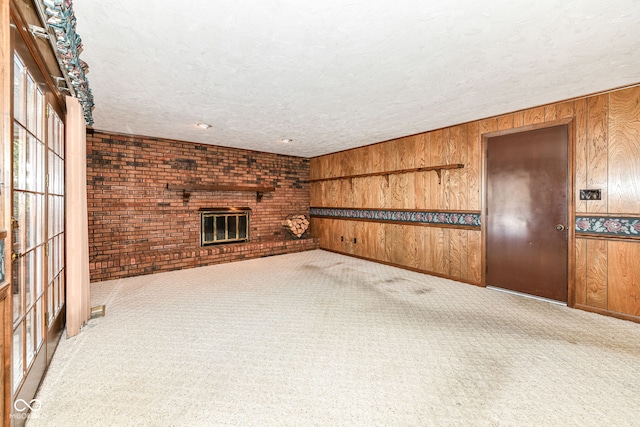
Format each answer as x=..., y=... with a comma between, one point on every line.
x=224, y=225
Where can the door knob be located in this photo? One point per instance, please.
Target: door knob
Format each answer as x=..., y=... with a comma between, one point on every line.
x=559, y=227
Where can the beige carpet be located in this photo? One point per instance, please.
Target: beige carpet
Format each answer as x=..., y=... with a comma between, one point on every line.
x=319, y=339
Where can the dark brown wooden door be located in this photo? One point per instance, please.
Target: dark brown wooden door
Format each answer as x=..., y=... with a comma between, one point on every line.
x=526, y=215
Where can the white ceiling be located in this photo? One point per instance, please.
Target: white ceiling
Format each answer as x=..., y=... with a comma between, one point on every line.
x=336, y=74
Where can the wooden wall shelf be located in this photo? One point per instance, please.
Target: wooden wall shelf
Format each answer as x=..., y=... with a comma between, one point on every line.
x=190, y=188
x=438, y=169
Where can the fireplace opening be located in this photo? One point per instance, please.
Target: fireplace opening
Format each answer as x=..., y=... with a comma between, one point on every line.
x=224, y=225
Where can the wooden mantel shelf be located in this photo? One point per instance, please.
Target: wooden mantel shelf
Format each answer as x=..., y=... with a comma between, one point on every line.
x=187, y=189
x=438, y=169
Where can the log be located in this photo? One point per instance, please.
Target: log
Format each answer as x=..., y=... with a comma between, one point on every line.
x=297, y=224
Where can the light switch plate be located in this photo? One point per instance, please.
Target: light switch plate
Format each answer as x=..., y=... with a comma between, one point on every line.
x=590, y=194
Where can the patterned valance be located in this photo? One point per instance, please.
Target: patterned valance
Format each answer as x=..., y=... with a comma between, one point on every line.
x=69, y=46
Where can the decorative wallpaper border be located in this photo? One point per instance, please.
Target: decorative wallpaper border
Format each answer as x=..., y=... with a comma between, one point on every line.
x=69, y=46
x=609, y=226
x=468, y=219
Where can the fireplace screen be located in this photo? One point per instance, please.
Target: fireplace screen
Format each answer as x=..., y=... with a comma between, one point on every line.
x=224, y=226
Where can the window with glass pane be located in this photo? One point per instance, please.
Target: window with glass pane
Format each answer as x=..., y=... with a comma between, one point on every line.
x=18, y=91
x=55, y=236
x=28, y=219
x=17, y=358
x=39, y=324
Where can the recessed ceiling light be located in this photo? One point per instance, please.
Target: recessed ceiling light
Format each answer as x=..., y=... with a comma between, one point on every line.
x=286, y=140
x=203, y=125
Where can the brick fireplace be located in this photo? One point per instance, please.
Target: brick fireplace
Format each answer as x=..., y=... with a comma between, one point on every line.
x=139, y=225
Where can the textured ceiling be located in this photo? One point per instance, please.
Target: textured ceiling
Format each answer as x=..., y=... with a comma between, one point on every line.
x=336, y=74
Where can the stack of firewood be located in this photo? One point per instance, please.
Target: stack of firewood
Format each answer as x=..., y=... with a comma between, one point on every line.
x=297, y=224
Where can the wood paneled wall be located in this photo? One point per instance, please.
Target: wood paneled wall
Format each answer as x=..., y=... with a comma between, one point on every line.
x=606, y=157
x=446, y=252
x=459, y=190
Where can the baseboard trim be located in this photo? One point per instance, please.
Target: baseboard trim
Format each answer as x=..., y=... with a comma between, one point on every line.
x=622, y=316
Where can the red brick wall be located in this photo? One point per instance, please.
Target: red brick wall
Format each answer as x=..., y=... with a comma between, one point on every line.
x=132, y=213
